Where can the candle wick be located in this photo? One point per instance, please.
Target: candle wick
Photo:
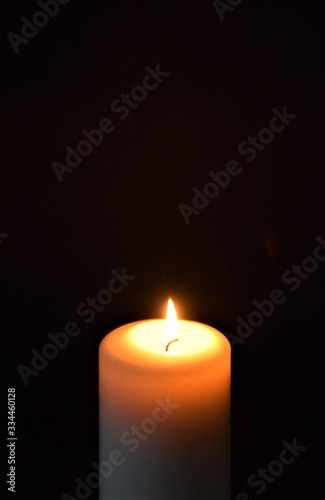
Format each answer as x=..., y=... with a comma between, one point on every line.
x=175, y=340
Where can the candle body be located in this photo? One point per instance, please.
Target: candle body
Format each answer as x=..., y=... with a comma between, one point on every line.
x=164, y=416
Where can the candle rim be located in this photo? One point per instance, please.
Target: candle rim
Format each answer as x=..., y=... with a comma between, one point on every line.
x=145, y=359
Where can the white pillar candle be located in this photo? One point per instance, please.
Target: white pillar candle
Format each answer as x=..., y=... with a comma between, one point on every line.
x=164, y=414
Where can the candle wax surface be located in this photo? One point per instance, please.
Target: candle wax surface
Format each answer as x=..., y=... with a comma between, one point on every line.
x=143, y=343
x=167, y=413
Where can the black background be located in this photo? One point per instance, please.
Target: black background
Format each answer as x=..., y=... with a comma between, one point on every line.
x=119, y=208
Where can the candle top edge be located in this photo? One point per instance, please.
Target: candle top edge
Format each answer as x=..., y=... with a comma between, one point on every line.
x=141, y=343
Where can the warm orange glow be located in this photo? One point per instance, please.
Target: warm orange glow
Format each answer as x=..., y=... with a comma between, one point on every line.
x=171, y=333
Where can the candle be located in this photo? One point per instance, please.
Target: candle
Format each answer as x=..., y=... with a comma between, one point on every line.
x=164, y=411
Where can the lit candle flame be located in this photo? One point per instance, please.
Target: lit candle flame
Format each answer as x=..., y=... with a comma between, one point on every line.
x=171, y=334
